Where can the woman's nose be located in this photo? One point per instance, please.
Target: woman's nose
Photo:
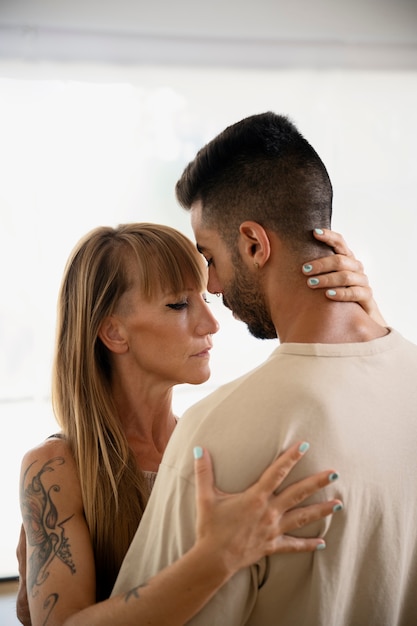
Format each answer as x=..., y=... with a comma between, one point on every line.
x=208, y=324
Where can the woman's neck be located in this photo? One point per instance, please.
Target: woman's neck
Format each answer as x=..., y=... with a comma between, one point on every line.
x=148, y=421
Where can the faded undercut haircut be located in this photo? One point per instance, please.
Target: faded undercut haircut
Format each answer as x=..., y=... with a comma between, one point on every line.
x=260, y=169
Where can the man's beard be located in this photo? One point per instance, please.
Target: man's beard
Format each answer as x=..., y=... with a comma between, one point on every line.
x=246, y=300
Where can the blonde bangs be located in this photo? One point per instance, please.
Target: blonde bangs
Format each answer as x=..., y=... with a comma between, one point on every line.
x=164, y=260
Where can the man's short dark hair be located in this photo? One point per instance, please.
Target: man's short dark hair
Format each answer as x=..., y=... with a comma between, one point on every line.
x=260, y=169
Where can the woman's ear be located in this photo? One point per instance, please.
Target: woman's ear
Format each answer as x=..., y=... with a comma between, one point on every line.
x=111, y=334
x=254, y=243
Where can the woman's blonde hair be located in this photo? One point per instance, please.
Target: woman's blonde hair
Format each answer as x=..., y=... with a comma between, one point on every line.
x=101, y=268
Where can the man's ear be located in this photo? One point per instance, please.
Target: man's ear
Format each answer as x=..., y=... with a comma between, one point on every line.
x=254, y=243
x=111, y=334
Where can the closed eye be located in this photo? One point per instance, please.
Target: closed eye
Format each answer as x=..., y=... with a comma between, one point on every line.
x=178, y=306
x=201, y=251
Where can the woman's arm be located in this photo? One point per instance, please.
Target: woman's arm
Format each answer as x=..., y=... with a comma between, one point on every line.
x=341, y=275
x=60, y=572
x=233, y=531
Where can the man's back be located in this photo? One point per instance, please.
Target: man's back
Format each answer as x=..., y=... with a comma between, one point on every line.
x=357, y=406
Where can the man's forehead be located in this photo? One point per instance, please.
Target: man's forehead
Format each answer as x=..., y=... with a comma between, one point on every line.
x=195, y=215
x=206, y=240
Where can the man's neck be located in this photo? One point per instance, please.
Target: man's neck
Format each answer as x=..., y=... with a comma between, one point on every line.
x=329, y=322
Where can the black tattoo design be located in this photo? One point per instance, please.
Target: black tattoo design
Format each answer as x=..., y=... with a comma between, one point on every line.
x=50, y=602
x=134, y=592
x=44, y=531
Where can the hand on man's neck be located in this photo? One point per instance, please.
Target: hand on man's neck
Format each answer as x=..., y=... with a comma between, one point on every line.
x=303, y=315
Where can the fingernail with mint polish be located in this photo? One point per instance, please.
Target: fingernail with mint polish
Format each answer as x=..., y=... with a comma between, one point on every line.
x=313, y=281
x=321, y=546
x=319, y=231
x=331, y=292
x=333, y=476
x=337, y=507
x=307, y=268
x=304, y=447
x=198, y=452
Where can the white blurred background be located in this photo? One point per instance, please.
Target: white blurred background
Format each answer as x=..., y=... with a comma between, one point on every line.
x=102, y=104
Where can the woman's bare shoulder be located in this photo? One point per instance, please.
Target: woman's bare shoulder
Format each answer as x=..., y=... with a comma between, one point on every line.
x=54, y=445
x=51, y=464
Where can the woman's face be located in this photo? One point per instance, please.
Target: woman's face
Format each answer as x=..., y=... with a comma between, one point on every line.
x=168, y=337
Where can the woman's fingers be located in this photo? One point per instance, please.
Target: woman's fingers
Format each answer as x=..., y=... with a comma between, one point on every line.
x=341, y=269
x=341, y=275
x=282, y=505
x=286, y=543
x=333, y=239
x=337, y=269
x=291, y=516
x=245, y=526
x=275, y=474
x=203, y=472
x=296, y=493
x=286, y=503
x=302, y=516
x=298, y=518
x=269, y=483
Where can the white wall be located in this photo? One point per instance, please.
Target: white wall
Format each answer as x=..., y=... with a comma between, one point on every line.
x=381, y=21
x=365, y=34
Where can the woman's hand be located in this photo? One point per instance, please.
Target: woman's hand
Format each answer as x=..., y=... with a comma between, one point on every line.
x=233, y=531
x=246, y=526
x=341, y=275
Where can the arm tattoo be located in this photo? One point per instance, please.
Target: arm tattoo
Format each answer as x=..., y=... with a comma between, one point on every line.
x=49, y=603
x=45, y=532
x=134, y=592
